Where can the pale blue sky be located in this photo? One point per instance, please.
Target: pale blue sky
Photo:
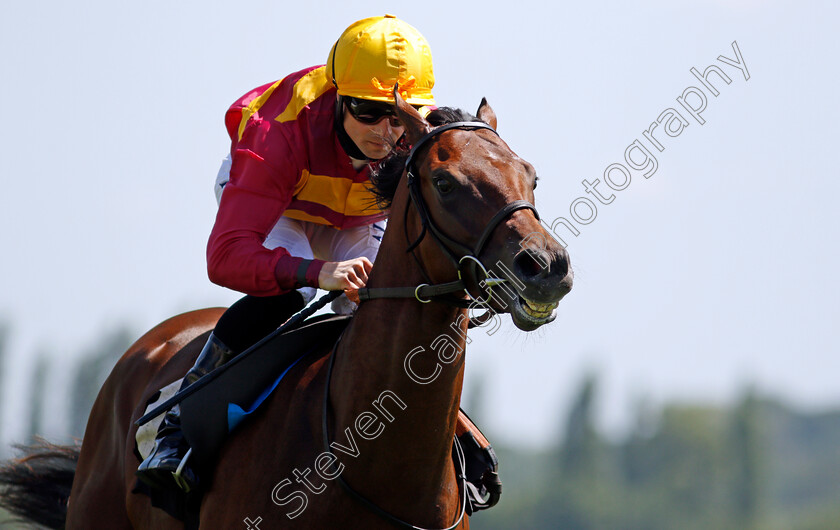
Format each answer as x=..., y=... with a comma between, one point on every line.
x=718, y=271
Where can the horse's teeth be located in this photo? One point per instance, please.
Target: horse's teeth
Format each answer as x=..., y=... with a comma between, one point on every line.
x=538, y=310
x=540, y=307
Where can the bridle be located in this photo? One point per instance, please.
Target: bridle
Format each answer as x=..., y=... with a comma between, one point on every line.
x=467, y=265
x=465, y=259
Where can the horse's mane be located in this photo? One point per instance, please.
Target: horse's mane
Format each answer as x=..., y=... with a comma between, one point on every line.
x=386, y=175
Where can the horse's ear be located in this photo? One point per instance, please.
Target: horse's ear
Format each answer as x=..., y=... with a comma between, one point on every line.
x=415, y=125
x=485, y=113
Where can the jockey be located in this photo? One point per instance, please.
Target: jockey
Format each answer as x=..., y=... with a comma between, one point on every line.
x=295, y=210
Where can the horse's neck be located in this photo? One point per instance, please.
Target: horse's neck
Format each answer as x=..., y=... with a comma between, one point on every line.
x=415, y=400
x=414, y=350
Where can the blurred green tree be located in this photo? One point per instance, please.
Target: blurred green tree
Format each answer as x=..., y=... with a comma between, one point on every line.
x=746, y=460
x=37, y=394
x=580, y=449
x=97, y=362
x=4, y=335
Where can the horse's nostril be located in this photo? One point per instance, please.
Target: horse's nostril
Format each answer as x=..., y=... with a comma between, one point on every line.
x=529, y=265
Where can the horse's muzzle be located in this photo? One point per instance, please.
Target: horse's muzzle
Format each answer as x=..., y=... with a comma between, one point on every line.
x=544, y=278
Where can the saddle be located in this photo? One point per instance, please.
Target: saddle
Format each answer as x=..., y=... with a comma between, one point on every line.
x=210, y=414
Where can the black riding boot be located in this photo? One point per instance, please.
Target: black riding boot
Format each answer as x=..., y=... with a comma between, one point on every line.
x=164, y=464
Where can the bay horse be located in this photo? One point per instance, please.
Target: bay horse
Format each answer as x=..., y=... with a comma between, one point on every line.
x=377, y=412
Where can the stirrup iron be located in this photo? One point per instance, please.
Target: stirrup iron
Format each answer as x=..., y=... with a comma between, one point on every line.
x=179, y=479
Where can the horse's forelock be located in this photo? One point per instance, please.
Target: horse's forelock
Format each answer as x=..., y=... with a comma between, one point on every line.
x=386, y=175
x=444, y=115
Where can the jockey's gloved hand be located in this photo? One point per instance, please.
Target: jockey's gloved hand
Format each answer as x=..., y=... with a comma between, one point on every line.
x=342, y=275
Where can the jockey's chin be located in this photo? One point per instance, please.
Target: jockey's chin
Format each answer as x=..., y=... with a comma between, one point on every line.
x=375, y=148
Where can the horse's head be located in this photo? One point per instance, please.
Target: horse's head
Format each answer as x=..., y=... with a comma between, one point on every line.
x=472, y=199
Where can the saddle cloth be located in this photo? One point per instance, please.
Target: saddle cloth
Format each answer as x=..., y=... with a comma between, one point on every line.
x=208, y=415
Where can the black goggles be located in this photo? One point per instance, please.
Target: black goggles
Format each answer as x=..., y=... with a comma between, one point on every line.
x=371, y=112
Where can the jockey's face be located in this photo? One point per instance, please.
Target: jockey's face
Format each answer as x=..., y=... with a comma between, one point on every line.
x=375, y=140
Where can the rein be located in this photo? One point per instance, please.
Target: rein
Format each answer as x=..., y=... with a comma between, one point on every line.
x=424, y=293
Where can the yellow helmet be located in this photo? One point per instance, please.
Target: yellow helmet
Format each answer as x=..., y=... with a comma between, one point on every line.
x=374, y=53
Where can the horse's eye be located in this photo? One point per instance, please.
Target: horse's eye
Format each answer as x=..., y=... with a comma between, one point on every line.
x=536, y=180
x=443, y=185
